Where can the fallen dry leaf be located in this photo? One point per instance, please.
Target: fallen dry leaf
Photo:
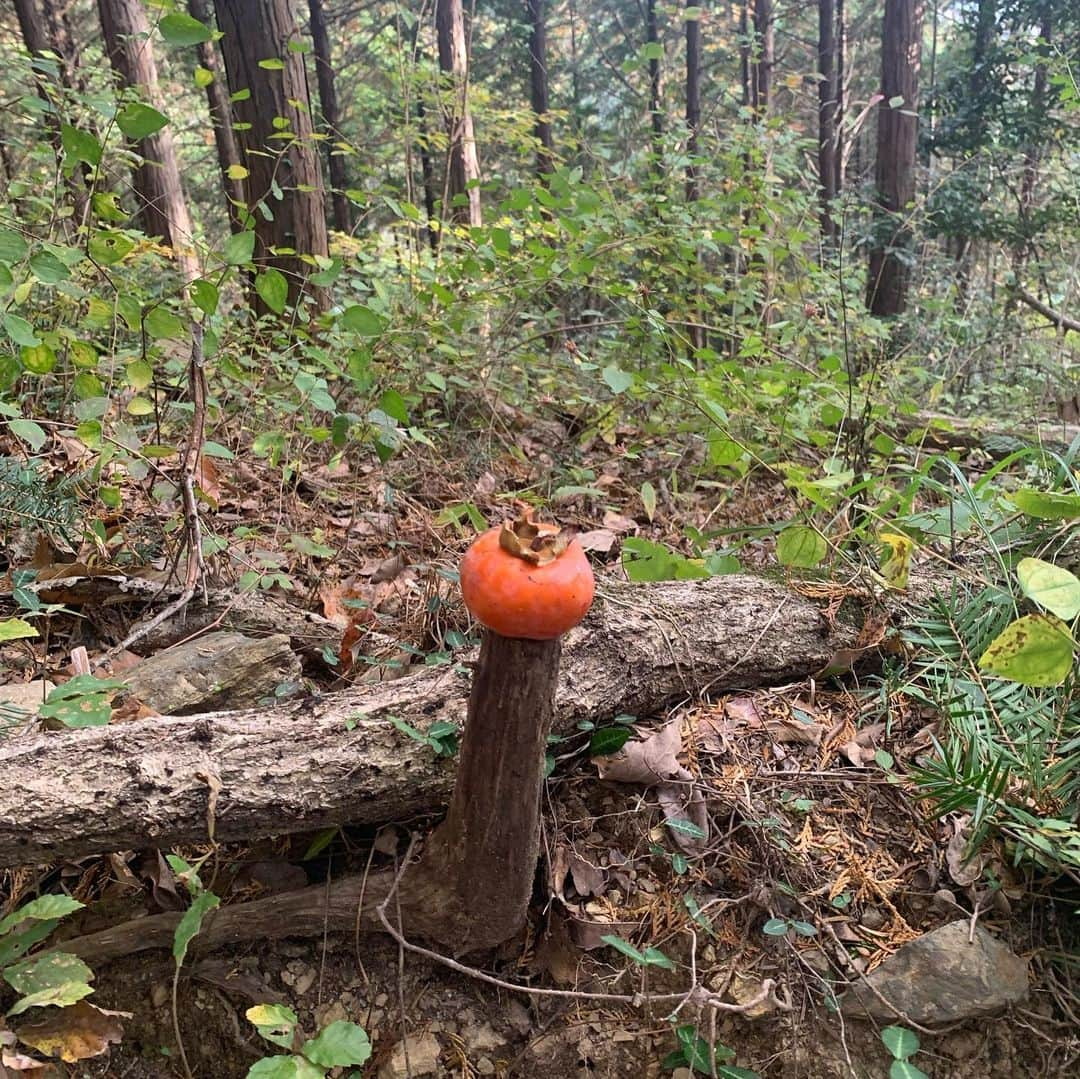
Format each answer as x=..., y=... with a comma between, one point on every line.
x=599, y=540
x=74, y=1033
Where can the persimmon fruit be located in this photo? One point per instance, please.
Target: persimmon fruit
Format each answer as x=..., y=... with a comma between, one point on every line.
x=527, y=579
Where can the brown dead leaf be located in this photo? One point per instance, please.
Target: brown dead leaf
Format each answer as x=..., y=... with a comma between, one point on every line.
x=588, y=879
x=586, y=933
x=963, y=870
x=77, y=1032
x=619, y=524
x=16, y=1062
x=742, y=711
x=861, y=749
x=599, y=540
x=712, y=732
x=558, y=870
x=208, y=479
x=556, y=953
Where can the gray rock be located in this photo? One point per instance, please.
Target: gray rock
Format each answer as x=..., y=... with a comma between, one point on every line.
x=220, y=670
x=424, y=1050
x=942, y=978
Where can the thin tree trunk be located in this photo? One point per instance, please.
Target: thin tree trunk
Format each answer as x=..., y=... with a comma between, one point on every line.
x=217, y=99
x=894, y=173
x=693, y=99
x=463, y=165
x=1037, y=111
x=763, y=58
x=38, y=41
x=163, y=210
x=324, y=71
x=746, y=48
x=538, y=86
x=841, y=67
x=656, y=116
x=828, y=98
x=283, y=174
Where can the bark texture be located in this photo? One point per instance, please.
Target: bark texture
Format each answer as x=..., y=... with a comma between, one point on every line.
x=163, y=210
x=324, y=71
x=656, y=116
x=217, y=99
x=764, y=57
x=283, y=173
x=485, y=852
x=463, y=164
x=828, y=104
x=894, y=172
x=693, y=99
x=307, y=764
x=538, y=87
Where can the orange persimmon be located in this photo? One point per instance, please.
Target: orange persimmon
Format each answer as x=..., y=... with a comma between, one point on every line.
x=525, y=579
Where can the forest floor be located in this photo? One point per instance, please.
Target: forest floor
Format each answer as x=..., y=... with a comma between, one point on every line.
x=816, y=830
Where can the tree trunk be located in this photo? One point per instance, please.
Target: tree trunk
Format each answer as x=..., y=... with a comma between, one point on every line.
x=693, y=99
x=1037, y=112
x=217, y=99
x=463, y=165
x=324, y=70
x=283, y=174
x=656, y=116
x=763, y=58
x=894, y=172
x=163, y=211
x=538, y=86
x=305, y=765
x=828, y=99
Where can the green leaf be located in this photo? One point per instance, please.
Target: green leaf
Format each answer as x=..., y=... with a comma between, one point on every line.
x=900, y=1041
x=162, y=324
x=775, y=927
x=239, y=248
x=1050, y=586
x=47, y=268
x=1036, y=650
x=652, y=50
x=273, y=289
x=44, y=908
x=695, y=1049
x=48, y=971
x=237, y=172
x=618, y=380
x=80, y=145
x=686, y=827
x=82, y=701
x=14, y=945
x=276, y=1068
x=203, y=78
x=904, y=1069
x=15, y=629
x=57, y=995
x=801, y=546
x=32, y=434
x=37, y=359
x=272, y=64
x=648, y=499
x=1045, y=505
x=362, y=320
x=644, y=560
x=608, y=740
x=181, y=29
x=12, y=246
x=139, y=121
x=89, y=431
x=275, y=1022
x=191, y=923
x=109, y=247
x=205, y=296
x=626, y=948
x=339, y=1044
x=656, y=958
x=20, y=331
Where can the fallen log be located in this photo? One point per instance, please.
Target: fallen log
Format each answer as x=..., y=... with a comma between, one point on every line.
x=307, y=764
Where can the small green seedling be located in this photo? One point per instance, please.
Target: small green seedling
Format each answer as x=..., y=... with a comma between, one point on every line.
x=695, y=1053
x=338, y=1045
x=902, y=1043
x=441, y=737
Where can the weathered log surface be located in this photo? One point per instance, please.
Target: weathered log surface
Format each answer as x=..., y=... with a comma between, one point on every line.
x=311, y=763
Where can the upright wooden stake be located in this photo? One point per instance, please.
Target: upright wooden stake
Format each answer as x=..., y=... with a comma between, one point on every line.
x=484, y=854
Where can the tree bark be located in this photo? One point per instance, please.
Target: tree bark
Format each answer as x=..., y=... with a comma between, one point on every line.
x=656, y=116
x=1038, y=112
x=463, y=164
x=486, y=850
x=763, y=58
x=828, y=99
x=693, y=100
x=894, y=175
x=217, y=99
x=283, y=173
x=304, y=765
x=163, y=210
x=324, y=70
x=538, y=87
